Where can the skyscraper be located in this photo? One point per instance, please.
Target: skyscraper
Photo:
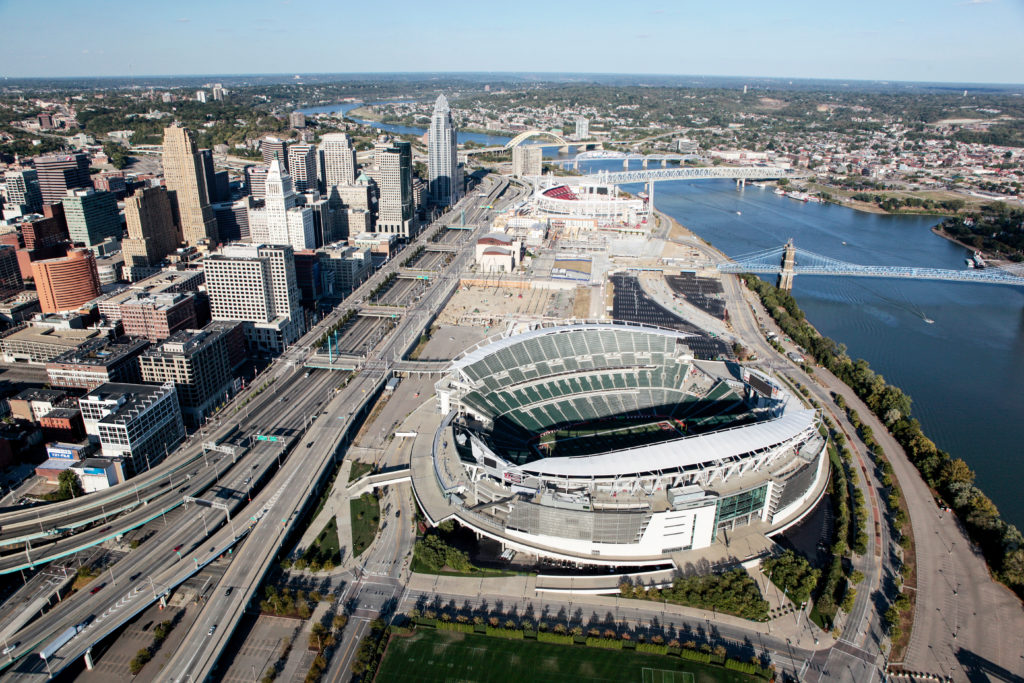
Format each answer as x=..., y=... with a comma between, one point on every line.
x=582, y=128
x=92, y=216
x=526, y=160
x=151, y=232
x=186, y=183
x=10, y=273
x=302, y=166
x=257, y=284
x=64, y=284
x=338, y=159
x=23, y=189
x=442, y=156
x=61, y=172
x=274, y=148
x=281, y=220
x=256, y=181
x=393, y=173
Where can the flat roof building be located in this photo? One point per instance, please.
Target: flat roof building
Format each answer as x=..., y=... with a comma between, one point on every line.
x=91, y=216
x=64, y=284
x=158, y=316
x=136, y=424
x=59, y=173
x=98, y=361
x=38, y=345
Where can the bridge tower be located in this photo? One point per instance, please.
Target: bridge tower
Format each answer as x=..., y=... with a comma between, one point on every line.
x=785, y=282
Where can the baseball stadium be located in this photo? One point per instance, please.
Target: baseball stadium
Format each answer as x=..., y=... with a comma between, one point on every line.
x=609, y=443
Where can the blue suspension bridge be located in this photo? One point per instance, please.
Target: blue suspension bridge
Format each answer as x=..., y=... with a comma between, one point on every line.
x=787, y=261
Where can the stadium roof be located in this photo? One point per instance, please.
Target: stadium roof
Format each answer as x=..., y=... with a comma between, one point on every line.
x=487, y=349
x=678, y=453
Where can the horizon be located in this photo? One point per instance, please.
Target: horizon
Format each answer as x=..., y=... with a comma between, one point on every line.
x=914, y=41
x=526, y=76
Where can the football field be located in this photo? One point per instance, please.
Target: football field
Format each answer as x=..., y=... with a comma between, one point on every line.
x=446, y=656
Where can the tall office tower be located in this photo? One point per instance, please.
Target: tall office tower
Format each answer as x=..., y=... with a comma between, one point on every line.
x=337, y=159
x=201, y=96
x=256, y=284
x=274, y=148
x=281, y=220
x=216, y=183
x=61, y=172
x=10, y=272
x=256, y=181
x=582, y=128
x=297, y=119
x=64, y=284
x=442, y=156
x=526, y=160
x=302, y=167
x=92, y=216
x=233, y=219
x=393, y=173
x=218, y=92
x=23, y=189
x=186, y=183
x=151, y=232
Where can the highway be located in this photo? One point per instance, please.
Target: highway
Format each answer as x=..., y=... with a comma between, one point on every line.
x=197, y=657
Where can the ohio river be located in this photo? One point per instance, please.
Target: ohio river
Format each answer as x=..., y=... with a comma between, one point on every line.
x=964, y=371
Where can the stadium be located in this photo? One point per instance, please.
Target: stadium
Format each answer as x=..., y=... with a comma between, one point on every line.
x=609, y=443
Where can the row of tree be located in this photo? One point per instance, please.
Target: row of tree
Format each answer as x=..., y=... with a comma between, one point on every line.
x=1002, y=543
x=732, y=592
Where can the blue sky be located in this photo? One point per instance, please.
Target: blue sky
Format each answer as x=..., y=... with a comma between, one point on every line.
x=924, y=40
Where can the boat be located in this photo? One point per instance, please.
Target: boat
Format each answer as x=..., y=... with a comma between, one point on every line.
x=929, y=321
x=739, y=213
x=780, y=191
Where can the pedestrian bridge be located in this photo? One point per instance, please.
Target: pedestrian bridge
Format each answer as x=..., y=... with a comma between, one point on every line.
x=787, y=260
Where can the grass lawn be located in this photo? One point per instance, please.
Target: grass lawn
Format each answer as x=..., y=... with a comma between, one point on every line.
x=442, y=656
x=326, y=546
x=365, y=519
x=359, y=468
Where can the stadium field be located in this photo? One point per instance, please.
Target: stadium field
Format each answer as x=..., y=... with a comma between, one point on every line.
x=606, y=435
x=431, y=656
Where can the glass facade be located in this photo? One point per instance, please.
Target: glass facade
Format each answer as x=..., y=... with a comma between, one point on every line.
x=739, y=508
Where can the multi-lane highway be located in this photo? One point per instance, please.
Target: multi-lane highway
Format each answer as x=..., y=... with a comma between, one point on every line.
x=294, y=404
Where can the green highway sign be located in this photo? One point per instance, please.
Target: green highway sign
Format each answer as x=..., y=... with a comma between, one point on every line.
x=261, y=437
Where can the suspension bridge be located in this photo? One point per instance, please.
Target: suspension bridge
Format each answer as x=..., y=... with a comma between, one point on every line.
x=787, y=261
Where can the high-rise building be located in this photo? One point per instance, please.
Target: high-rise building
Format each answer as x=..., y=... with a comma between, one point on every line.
x=198, y=363
x=297, y=119
x=393, y=174
x=201, y=96
x=233, y=219
x=158, y=316
x=582, y=128
x=344, y=268
x=274, y=148
x=302, y=167
x=527, y=160
x=23, y=189
x=151, y=232
x=281, y=220
x=256, y=181
x=61, y=172
x=10, y=273
x=186, y=182
x=137, y=424
x=442, y=156
x=64, y=284
x=337, y=159
x=216, y=182
x=218, y=92
x=91, y=216
x=256, y=284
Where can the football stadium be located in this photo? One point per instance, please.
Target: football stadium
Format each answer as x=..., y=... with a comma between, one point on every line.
x=609, y=443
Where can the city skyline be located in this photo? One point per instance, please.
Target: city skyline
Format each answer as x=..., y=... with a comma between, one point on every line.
x=916, y=41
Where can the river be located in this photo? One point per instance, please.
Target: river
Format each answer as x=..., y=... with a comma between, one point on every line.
x=963, y=370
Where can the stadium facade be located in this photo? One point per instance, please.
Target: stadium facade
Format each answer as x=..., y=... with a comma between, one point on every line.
x=609, y=443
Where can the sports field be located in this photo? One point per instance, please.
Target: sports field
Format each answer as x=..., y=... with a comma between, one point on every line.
x=606, y=435
x=445, y=656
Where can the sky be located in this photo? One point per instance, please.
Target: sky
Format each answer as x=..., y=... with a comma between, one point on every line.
x=976, y=41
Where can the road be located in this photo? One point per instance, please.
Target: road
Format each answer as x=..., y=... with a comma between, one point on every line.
x=197, y=657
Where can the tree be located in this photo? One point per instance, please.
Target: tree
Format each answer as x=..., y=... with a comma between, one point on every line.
x=69, y=485
x=115, y=154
